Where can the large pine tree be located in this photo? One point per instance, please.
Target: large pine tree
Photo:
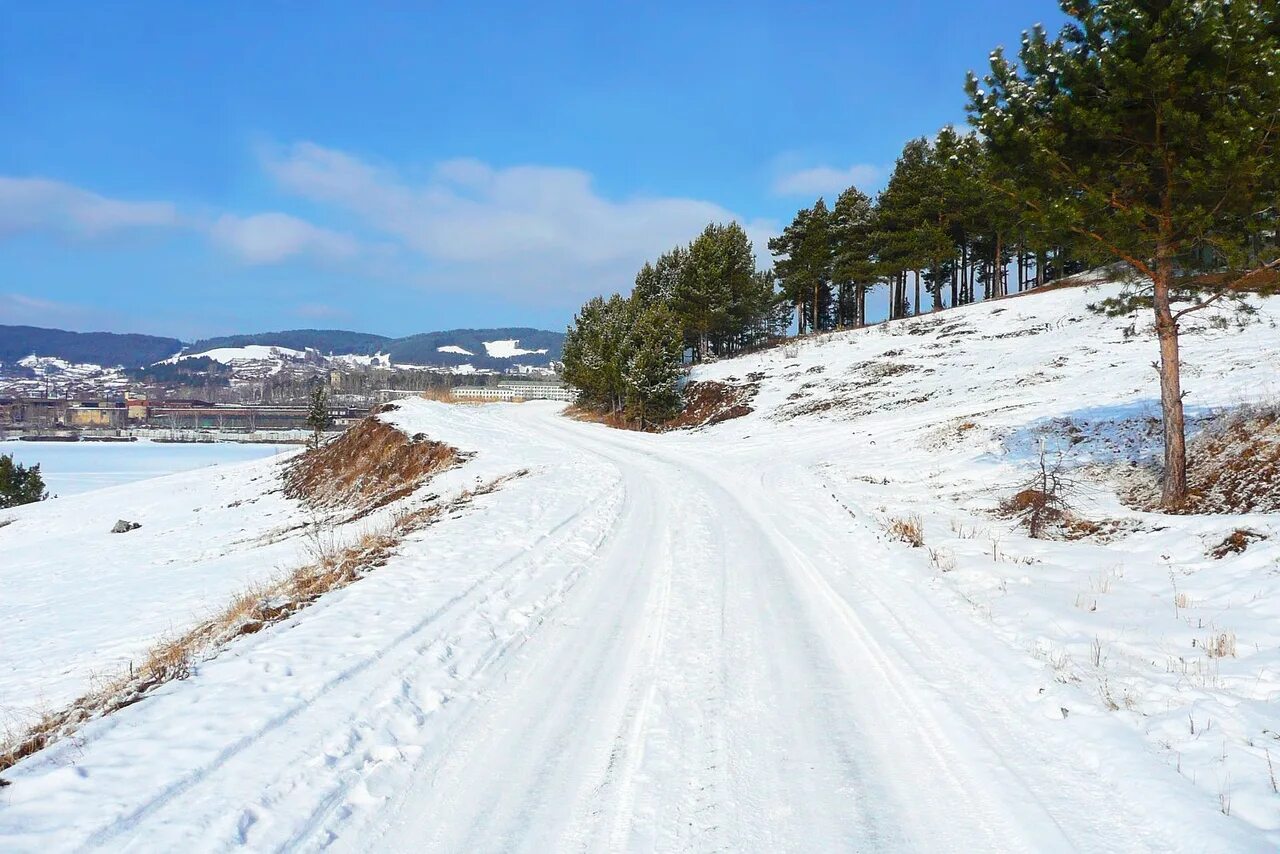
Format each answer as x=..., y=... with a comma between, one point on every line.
x=1148, y=130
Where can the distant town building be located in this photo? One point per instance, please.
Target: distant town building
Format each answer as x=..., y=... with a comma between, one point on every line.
x=96, y=413
x=517, y=390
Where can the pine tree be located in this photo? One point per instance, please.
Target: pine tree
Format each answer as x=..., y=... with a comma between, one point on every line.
x=907, y=236
x=853, y=267
x=803, y=257
x=718, y=275
x=1148, y=132
x=655, y=354
x=318, y=418
x=596, y=351
x=19, y=484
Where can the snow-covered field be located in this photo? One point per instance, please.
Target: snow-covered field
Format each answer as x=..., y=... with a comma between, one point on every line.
x=69, y=468
x=508, y=348
x=693, y=641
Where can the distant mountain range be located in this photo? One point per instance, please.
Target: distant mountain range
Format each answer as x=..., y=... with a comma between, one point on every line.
x=492, y=349
x=95, y=348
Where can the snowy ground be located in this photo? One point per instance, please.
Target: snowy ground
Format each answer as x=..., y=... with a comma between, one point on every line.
x=704, y=641
x=69, y=468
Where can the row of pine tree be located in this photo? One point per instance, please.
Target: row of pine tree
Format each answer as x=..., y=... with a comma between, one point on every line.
x=1145, y=135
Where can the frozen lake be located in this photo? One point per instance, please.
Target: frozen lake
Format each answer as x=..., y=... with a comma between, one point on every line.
x=69, y=468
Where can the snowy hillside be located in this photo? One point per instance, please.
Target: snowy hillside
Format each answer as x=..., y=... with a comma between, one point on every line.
x=707, y=639
x=1142, y=630
x=38, y=375
x=236, y=355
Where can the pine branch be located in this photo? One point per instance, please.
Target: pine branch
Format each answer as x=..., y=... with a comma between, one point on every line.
x=1227, y=290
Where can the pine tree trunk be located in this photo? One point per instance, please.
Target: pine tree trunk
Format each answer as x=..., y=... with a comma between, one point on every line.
x=1174, y=491
x=997, y=266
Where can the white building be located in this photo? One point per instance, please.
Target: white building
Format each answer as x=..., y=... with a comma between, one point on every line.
x=517, y=390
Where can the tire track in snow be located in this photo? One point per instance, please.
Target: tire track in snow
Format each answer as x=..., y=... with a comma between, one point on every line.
x=406, y=643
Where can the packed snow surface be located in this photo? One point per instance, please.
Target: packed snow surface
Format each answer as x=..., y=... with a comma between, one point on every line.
x=698, y=641
x=454, y=348
x=508, y=349
x=69, y=468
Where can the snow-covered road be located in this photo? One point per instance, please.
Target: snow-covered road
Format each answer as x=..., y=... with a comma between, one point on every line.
x=649, y=643
x=735, y=674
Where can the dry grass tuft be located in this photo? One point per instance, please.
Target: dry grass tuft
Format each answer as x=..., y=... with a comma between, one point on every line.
x=1235, y=543
x=1220, y=645
x=909, y=530
x=942, y=560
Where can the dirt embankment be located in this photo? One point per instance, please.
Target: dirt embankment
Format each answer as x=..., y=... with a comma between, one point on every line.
x=1233, y=466
x=711, y=402
x=367, y=467
x=705, y=403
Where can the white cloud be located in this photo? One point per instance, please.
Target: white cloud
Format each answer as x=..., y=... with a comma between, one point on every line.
x=39, y=204
x=514, y=230
x=827, y=180
x=268, y=238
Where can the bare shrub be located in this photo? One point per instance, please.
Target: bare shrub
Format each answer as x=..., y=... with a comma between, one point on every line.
x=1042, y=505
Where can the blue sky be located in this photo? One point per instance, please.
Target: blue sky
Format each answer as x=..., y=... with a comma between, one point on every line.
x=197, y=169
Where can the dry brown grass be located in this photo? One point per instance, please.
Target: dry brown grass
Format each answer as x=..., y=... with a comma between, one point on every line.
x=909, y=530
x=616, y=420
x=367, y=467
x=1220, y=645
x=1236, y=467
x=441, y=395
x=1235, y=543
